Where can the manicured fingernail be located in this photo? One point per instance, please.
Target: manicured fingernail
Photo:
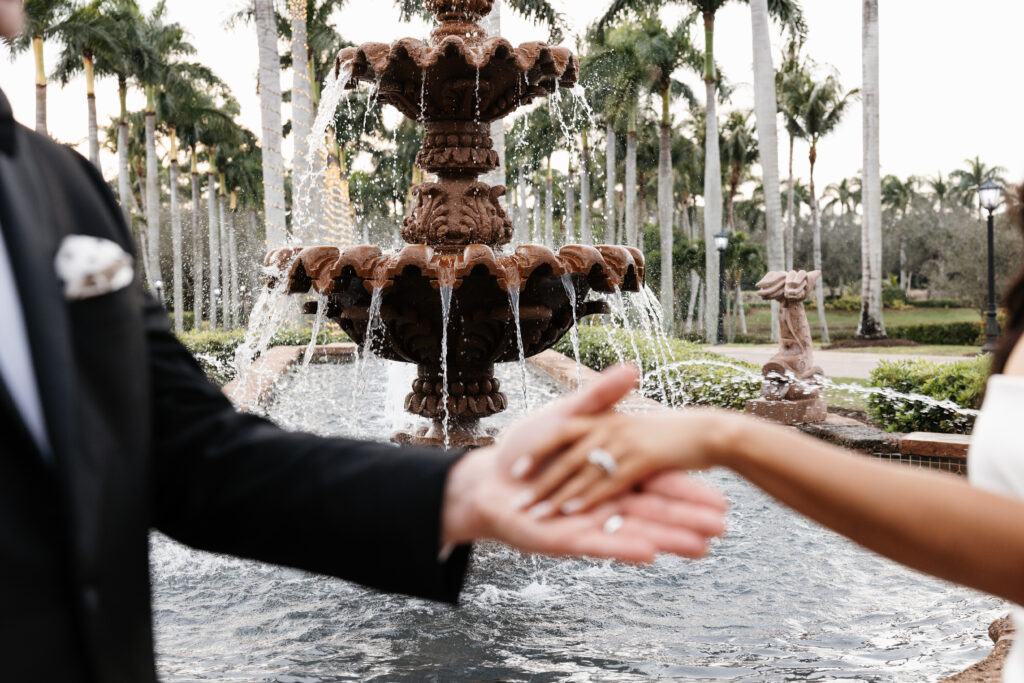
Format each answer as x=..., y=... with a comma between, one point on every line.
x=523, y=499
x=540, y=510
x=573, y=506
x=519, y=467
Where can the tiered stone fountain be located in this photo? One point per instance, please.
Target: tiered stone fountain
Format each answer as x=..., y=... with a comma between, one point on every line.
x=455, y=271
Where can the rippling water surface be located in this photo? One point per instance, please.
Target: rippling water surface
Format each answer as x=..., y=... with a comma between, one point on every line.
x=780, y=598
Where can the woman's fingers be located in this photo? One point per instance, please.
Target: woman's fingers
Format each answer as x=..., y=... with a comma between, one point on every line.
x=566, y=500
x=707, y=522
x=681, y=486
x=554, y=475
x=556, y=442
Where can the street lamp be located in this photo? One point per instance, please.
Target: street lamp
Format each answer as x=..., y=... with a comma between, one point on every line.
x=158, y=285
x=991, y=196
x=721, y=244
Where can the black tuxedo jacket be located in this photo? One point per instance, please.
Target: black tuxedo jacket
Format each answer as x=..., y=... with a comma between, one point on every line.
x=142, y=441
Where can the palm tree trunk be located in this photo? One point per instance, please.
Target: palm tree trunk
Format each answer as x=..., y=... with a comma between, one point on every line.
x=609, y=189
x=270, y=107
x=233, y=259
x=538, y=221
x=225, y=255
x=665, y=218
x=816, y=216
x=586, y=233
x=766, y=112
x=37, y=49
x=741, y=313
x=214, y=235
x=790, y=209
x=124, y=189
x=691, y=307
x=569, y=236
x=177, y=276
x=631, y=205
x=152, y=190
x=90, y=96
x=302, y=124
x=197, y=248
x=712, y=185
x=524, y=216
x=549, y=209
x=871, y=324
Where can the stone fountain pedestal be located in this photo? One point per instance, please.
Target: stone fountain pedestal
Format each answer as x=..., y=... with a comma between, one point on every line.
x=458, y=298
x=791, y=389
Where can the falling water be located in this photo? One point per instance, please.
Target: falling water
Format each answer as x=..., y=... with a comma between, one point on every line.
x=365, y=354
x=619, y=307
x=446, y=308
x=311, y=176
x=476, y=96
x=513, y=303
x=662, y=361
x=423, y=97
x=318, y=323
x=574, y=333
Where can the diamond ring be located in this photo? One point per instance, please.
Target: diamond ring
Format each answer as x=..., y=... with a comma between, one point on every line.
x=613, y=524
x=603, y=459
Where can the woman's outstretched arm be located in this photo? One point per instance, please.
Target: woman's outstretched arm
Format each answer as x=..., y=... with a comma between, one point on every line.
x=933, y=522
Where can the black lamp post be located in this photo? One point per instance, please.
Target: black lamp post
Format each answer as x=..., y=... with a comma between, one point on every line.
x=721, y=244
x=159, y=287
x=991, y=196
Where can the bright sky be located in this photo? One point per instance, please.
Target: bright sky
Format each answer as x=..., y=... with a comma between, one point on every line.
x=949, y=90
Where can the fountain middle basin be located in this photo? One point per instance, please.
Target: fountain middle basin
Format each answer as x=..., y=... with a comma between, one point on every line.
x=455, y=313
x=780, y=598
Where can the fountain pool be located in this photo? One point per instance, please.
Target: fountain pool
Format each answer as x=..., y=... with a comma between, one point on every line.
x=780, y=598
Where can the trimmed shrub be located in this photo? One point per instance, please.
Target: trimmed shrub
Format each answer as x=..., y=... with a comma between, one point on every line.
x=954, y=385
x=958, y=334
x=676, y=371
x=215, y=351
x=939, y=303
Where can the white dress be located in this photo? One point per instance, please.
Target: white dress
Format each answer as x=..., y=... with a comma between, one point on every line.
x=996, y=463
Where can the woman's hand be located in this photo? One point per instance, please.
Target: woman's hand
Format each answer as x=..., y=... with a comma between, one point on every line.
x=595, y=458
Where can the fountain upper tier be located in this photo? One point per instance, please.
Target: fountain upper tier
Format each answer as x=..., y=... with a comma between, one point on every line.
x=462, y=75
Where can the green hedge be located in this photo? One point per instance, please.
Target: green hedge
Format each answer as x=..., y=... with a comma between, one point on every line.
x=691, y=376
x=962, y=383
x=957, y=334
x=939, y=303
x=215, y=351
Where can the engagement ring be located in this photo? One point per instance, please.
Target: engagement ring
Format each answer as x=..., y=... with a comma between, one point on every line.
x=603, y=459
x=613, y=524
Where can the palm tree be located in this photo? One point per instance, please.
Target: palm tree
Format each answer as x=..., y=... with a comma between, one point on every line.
x=712, y=172
x=966, y=181
x=615, y=73
x=790, y=85
x=766, y=111
x=844, y=195
x=941, y=191
x=871, y=324
x=41, y=20
x=739, y=152
x=79, y=33
x=271, y=132
x=822, y=112
x=898, y=196
x=662, y=54
x=162, y=43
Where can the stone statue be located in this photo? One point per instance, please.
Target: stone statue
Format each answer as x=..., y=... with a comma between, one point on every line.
x=791, y=390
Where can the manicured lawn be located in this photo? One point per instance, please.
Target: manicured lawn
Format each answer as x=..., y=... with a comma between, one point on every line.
x=759, y=319
x=848, y=399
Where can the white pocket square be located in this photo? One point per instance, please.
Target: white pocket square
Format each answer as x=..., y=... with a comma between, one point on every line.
x=92, y=266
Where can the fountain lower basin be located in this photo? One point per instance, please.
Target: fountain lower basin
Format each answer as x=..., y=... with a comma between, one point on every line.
x=780, y=598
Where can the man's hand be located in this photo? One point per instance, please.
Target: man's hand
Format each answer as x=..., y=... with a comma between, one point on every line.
x=667, y=513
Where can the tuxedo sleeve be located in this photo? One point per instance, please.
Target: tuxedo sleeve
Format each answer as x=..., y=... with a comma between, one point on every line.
x=235, y=483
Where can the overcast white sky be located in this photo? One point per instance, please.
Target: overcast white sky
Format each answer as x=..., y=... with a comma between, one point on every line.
x=950, y=89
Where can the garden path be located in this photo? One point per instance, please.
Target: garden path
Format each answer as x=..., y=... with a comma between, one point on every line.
x=835, y=363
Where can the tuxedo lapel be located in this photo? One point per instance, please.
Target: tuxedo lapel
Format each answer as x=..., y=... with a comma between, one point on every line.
x=32, y=238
